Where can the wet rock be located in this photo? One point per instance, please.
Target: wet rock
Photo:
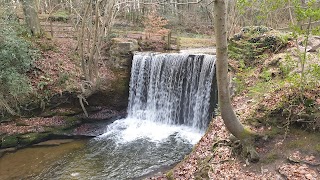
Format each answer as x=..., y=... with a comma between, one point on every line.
x=54, y=142
x=115, y=95
x=104, y=114
x=31, y=138
x=7, y=150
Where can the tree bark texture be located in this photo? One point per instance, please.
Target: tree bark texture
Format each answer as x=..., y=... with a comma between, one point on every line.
x=31, y=16
x=228, y=115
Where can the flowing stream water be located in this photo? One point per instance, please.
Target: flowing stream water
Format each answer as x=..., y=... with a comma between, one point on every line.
x=168, y=112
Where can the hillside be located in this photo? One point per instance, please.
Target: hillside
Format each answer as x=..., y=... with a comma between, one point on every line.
x=266, y=99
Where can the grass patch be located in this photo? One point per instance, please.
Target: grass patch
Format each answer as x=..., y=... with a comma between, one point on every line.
x=196, y=42
x=271, y=157
x=304, y=140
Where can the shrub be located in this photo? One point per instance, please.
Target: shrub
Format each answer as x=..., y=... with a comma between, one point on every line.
x=16, y=56
x=155, y=24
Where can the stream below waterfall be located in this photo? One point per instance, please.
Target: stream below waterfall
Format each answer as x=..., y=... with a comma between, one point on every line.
x=130, y=149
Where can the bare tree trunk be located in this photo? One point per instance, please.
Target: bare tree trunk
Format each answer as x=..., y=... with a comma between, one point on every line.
x=94, y=47
x=290, y=13
x=230, y=119
x=82, y=40
x=31, y=16
x=228, y=115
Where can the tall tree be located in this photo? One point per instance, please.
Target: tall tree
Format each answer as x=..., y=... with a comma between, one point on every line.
x=228, y=115
x=31, y=16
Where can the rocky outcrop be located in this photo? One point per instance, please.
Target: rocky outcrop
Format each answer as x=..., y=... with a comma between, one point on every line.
x=251, y=43
x=121, y=53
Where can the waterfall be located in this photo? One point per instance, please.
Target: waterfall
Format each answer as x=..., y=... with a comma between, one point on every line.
x=172, y=89
x=170, y=100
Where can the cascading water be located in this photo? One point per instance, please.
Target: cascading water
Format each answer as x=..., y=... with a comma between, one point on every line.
x=171, y=88
x=171, y=97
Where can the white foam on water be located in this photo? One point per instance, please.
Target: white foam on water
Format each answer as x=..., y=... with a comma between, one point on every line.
x=129, y=129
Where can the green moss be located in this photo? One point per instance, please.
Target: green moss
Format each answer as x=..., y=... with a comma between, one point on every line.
x=169, y=175
x=317, y=148
x=203, y=173
x=304, y=140
x=252, y=43
x=71, y=122
x=246, y=134
x=274, y=131
x=271, y=157
x=32, y=138
x=21, y=124
x=295, y=144
x=9, y=141
x=48, y=113
x=61, y=112
x=63, y=16
x=71, y=119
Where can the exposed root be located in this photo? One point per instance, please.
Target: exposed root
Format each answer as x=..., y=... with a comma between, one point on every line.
x=87, y=88
x=81, y=100
x=246, y=150
x=293, y=160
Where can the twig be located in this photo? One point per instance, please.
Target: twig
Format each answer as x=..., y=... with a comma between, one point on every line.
x=222, y=161
x=81, y=99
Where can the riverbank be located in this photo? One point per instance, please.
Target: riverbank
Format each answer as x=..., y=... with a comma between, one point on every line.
x=61, y=124
x=267, y=99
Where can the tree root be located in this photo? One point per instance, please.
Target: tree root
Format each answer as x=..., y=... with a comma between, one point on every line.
x=246, y=150
x=293, y=160
x=251, y=154
x=87, y=88
x=81, y=100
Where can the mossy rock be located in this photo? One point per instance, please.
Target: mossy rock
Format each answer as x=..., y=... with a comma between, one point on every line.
x=62, y=16
x=252, y=42
x=115, y=94
x=31, y=138
x=71, y=122
x=9, y=141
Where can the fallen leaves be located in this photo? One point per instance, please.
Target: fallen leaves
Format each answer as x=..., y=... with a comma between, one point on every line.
x=28, y=125
x=298, y=172
x=223, y=164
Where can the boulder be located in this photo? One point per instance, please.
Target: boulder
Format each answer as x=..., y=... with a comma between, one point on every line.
x=313, y=44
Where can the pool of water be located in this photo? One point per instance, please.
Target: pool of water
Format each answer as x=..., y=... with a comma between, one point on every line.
x=29, y=162
x=129, y=149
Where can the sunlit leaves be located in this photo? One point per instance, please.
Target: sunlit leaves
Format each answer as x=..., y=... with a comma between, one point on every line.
x=154, y=24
